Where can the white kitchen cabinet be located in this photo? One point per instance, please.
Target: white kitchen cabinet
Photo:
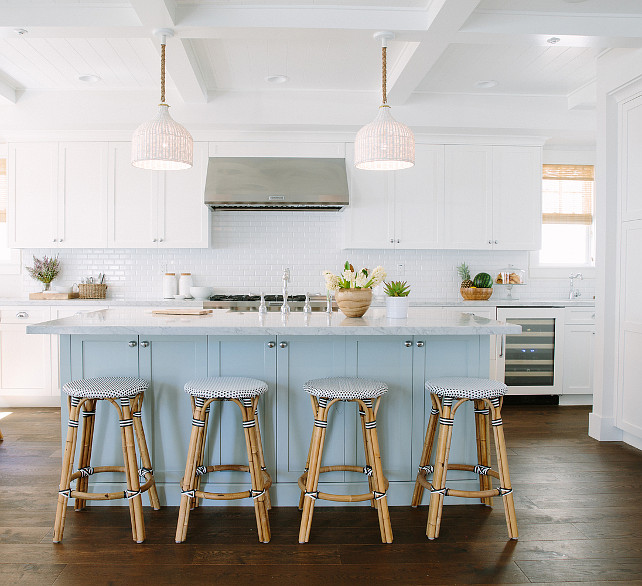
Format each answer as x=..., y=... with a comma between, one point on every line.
x=25, y=359
x=396, y=209
x=275, y=148
x=579, y=343
x=58, y=195
x=492, y=197
x=151, y=209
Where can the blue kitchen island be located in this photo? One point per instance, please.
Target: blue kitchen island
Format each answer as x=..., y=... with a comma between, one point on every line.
x=284, y=351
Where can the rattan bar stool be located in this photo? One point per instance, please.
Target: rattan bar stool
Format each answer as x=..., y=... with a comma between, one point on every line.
x=324, y=393
x=488, y=397
x=126, y=395
x=245, y=393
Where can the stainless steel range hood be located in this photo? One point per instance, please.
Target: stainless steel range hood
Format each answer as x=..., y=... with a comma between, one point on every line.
x=276, y=183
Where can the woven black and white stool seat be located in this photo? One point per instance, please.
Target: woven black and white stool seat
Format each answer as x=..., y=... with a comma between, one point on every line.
x=345, y=387
x=225, y=387
x=461, y=387
x=106, y=387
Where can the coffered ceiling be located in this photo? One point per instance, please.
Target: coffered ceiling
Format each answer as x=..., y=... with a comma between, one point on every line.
x=442, y=46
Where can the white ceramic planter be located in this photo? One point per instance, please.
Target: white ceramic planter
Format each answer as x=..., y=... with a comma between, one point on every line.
x=397, y=307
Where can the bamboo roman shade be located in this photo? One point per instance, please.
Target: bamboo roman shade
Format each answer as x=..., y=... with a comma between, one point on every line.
x=568, y=194
x=4, y=190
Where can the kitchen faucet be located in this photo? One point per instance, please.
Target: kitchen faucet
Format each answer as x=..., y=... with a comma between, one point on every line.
x=285, y=308
x=573, y=293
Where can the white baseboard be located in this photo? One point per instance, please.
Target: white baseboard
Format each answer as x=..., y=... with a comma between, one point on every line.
x=632, y=440
x=604, y=429
x=576, y=399
x=9, y=401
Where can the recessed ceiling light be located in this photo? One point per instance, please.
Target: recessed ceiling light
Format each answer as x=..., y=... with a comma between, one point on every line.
x=486, y=84
x=553, y=40
x=20, y=31
x=277, y=78
x=89, y=78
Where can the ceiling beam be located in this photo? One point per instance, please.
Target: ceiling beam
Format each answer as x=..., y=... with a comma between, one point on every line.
x=445, y=20
x=7, y=94
x=181, y=63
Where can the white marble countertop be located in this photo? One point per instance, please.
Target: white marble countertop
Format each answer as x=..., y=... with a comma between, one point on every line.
x=138, y=321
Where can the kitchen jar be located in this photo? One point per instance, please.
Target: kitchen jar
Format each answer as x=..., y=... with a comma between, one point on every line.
x=184, y=284
x=511, y=276
x=170, y=286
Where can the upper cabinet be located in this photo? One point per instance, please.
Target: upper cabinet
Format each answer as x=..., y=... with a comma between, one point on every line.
x=492, y=197
x=58, y=194
x=151, y=209
x=396, y=209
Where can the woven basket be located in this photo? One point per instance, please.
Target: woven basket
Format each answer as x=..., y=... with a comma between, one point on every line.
x=92, y=291
x=478, y=294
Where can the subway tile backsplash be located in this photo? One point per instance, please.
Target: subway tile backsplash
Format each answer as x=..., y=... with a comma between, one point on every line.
x=250, y=249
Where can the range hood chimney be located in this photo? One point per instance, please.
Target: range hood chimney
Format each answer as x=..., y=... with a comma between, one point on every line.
x=276, y=183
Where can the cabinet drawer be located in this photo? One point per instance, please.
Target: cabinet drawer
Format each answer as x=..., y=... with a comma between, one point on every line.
x=24, y=315
x=579, y=315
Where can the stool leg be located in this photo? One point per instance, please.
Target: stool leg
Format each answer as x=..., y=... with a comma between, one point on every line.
x=316, y=451
x=131, y=471
x=482, y=433
x=67, y=468
x=372, y=445
x=260, y=508
x=88, y=420
x=142, y=448
x=201, y=454
x=502, y=465
x=259, y=440
x=441, y=466
x=426, y=453
x=315, y=408
x=362, y=416
x=189, y=478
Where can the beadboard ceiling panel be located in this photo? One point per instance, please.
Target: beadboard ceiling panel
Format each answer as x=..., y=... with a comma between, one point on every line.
x=343, y=3
x=534, y=70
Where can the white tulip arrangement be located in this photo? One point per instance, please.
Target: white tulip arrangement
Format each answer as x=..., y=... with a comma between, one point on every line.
x=351, y=279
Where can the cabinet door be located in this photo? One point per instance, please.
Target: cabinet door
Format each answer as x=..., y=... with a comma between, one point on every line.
x=419, y=196
x=369, y=219
x=300, y=358
x=388, y=359
x=183, y=220
x=33, y=185
x=82, y=194
x=132, y=205
x=468, y=197
x=517, y=198
x=579, y=341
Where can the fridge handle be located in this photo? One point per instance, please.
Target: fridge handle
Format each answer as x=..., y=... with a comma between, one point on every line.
x=502, y=338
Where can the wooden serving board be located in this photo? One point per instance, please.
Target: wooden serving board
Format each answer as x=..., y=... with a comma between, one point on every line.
x=53, y=295
x=181, y=311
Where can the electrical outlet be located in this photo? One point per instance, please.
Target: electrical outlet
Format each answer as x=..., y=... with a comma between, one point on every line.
x=401, y=269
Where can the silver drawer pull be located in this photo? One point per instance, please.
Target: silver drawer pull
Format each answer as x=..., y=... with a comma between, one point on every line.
x=283, y=345
x=420, y=344
x=132, y=344
x=22, y=315
x=144, y=344
x=407, y=343
x=271, y=344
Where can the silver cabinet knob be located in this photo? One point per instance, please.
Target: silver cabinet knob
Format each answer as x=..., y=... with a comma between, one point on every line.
x=420, y=344
x=283, y=345
x=398, y=241
x=22, y=315
x=271, y=344
x=154, y=240
x=160, y=239
x=495, y=241
x=59, y=239
x=407, y=343
x=144, y=344
x=392, y=241
x=132, y=343
x=490, y=242
x=55, y=240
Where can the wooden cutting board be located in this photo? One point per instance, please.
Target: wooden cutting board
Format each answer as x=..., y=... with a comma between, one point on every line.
x=53, y=295
x=181, y=311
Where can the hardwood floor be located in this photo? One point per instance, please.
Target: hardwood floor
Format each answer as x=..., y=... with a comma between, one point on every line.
x=578, y=507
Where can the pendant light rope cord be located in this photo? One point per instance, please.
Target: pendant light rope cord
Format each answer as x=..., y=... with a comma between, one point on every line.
x=383, y=76
x=163, y=72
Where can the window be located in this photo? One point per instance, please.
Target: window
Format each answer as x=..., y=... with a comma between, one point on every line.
x=567, y=217
x=9, y=259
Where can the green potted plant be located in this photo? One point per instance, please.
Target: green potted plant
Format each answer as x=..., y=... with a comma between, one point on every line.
x=396, y=299
x=44, y=270
x=353, y=289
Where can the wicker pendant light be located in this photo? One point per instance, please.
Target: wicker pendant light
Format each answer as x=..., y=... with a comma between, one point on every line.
x=162, y=144
x=384, y=144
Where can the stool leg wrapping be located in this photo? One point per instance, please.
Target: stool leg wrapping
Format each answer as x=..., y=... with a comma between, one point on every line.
x=504, y=476
x=482, y=435
x=131, y=472
x=142, y=447
x=259, y=440
x=371, y=484
x=195, y=502
x=67, y=468
x=88, y=420
x=441, y=467
x=426, y=452
x=315, y=408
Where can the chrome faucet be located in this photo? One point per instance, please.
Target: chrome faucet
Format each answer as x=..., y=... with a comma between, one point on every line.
x=285, y=308
x=573, y=292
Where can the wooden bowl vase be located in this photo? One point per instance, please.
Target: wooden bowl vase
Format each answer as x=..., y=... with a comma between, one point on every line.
x=353, y=302
x=476, y=294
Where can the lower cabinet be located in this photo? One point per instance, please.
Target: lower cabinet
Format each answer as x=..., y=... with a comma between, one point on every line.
x=579, y=348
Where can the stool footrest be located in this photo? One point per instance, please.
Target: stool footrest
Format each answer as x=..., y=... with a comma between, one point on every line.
x=223, y=496
x=341, y=498
x=107, y=496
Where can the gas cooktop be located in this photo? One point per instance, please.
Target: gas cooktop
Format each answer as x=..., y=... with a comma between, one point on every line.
x=272, y=302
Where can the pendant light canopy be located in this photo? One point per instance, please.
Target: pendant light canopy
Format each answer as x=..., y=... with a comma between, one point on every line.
x=384, y=144
x=162, y=144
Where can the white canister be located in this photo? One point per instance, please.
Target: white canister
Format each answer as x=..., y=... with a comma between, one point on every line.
x=170, y=286
x=397, y=307
x=184, y=284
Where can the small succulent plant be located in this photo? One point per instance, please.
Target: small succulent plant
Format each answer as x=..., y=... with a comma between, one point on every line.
x=396, y=289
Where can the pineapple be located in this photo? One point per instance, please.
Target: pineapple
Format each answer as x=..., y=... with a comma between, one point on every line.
x=464, y=273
